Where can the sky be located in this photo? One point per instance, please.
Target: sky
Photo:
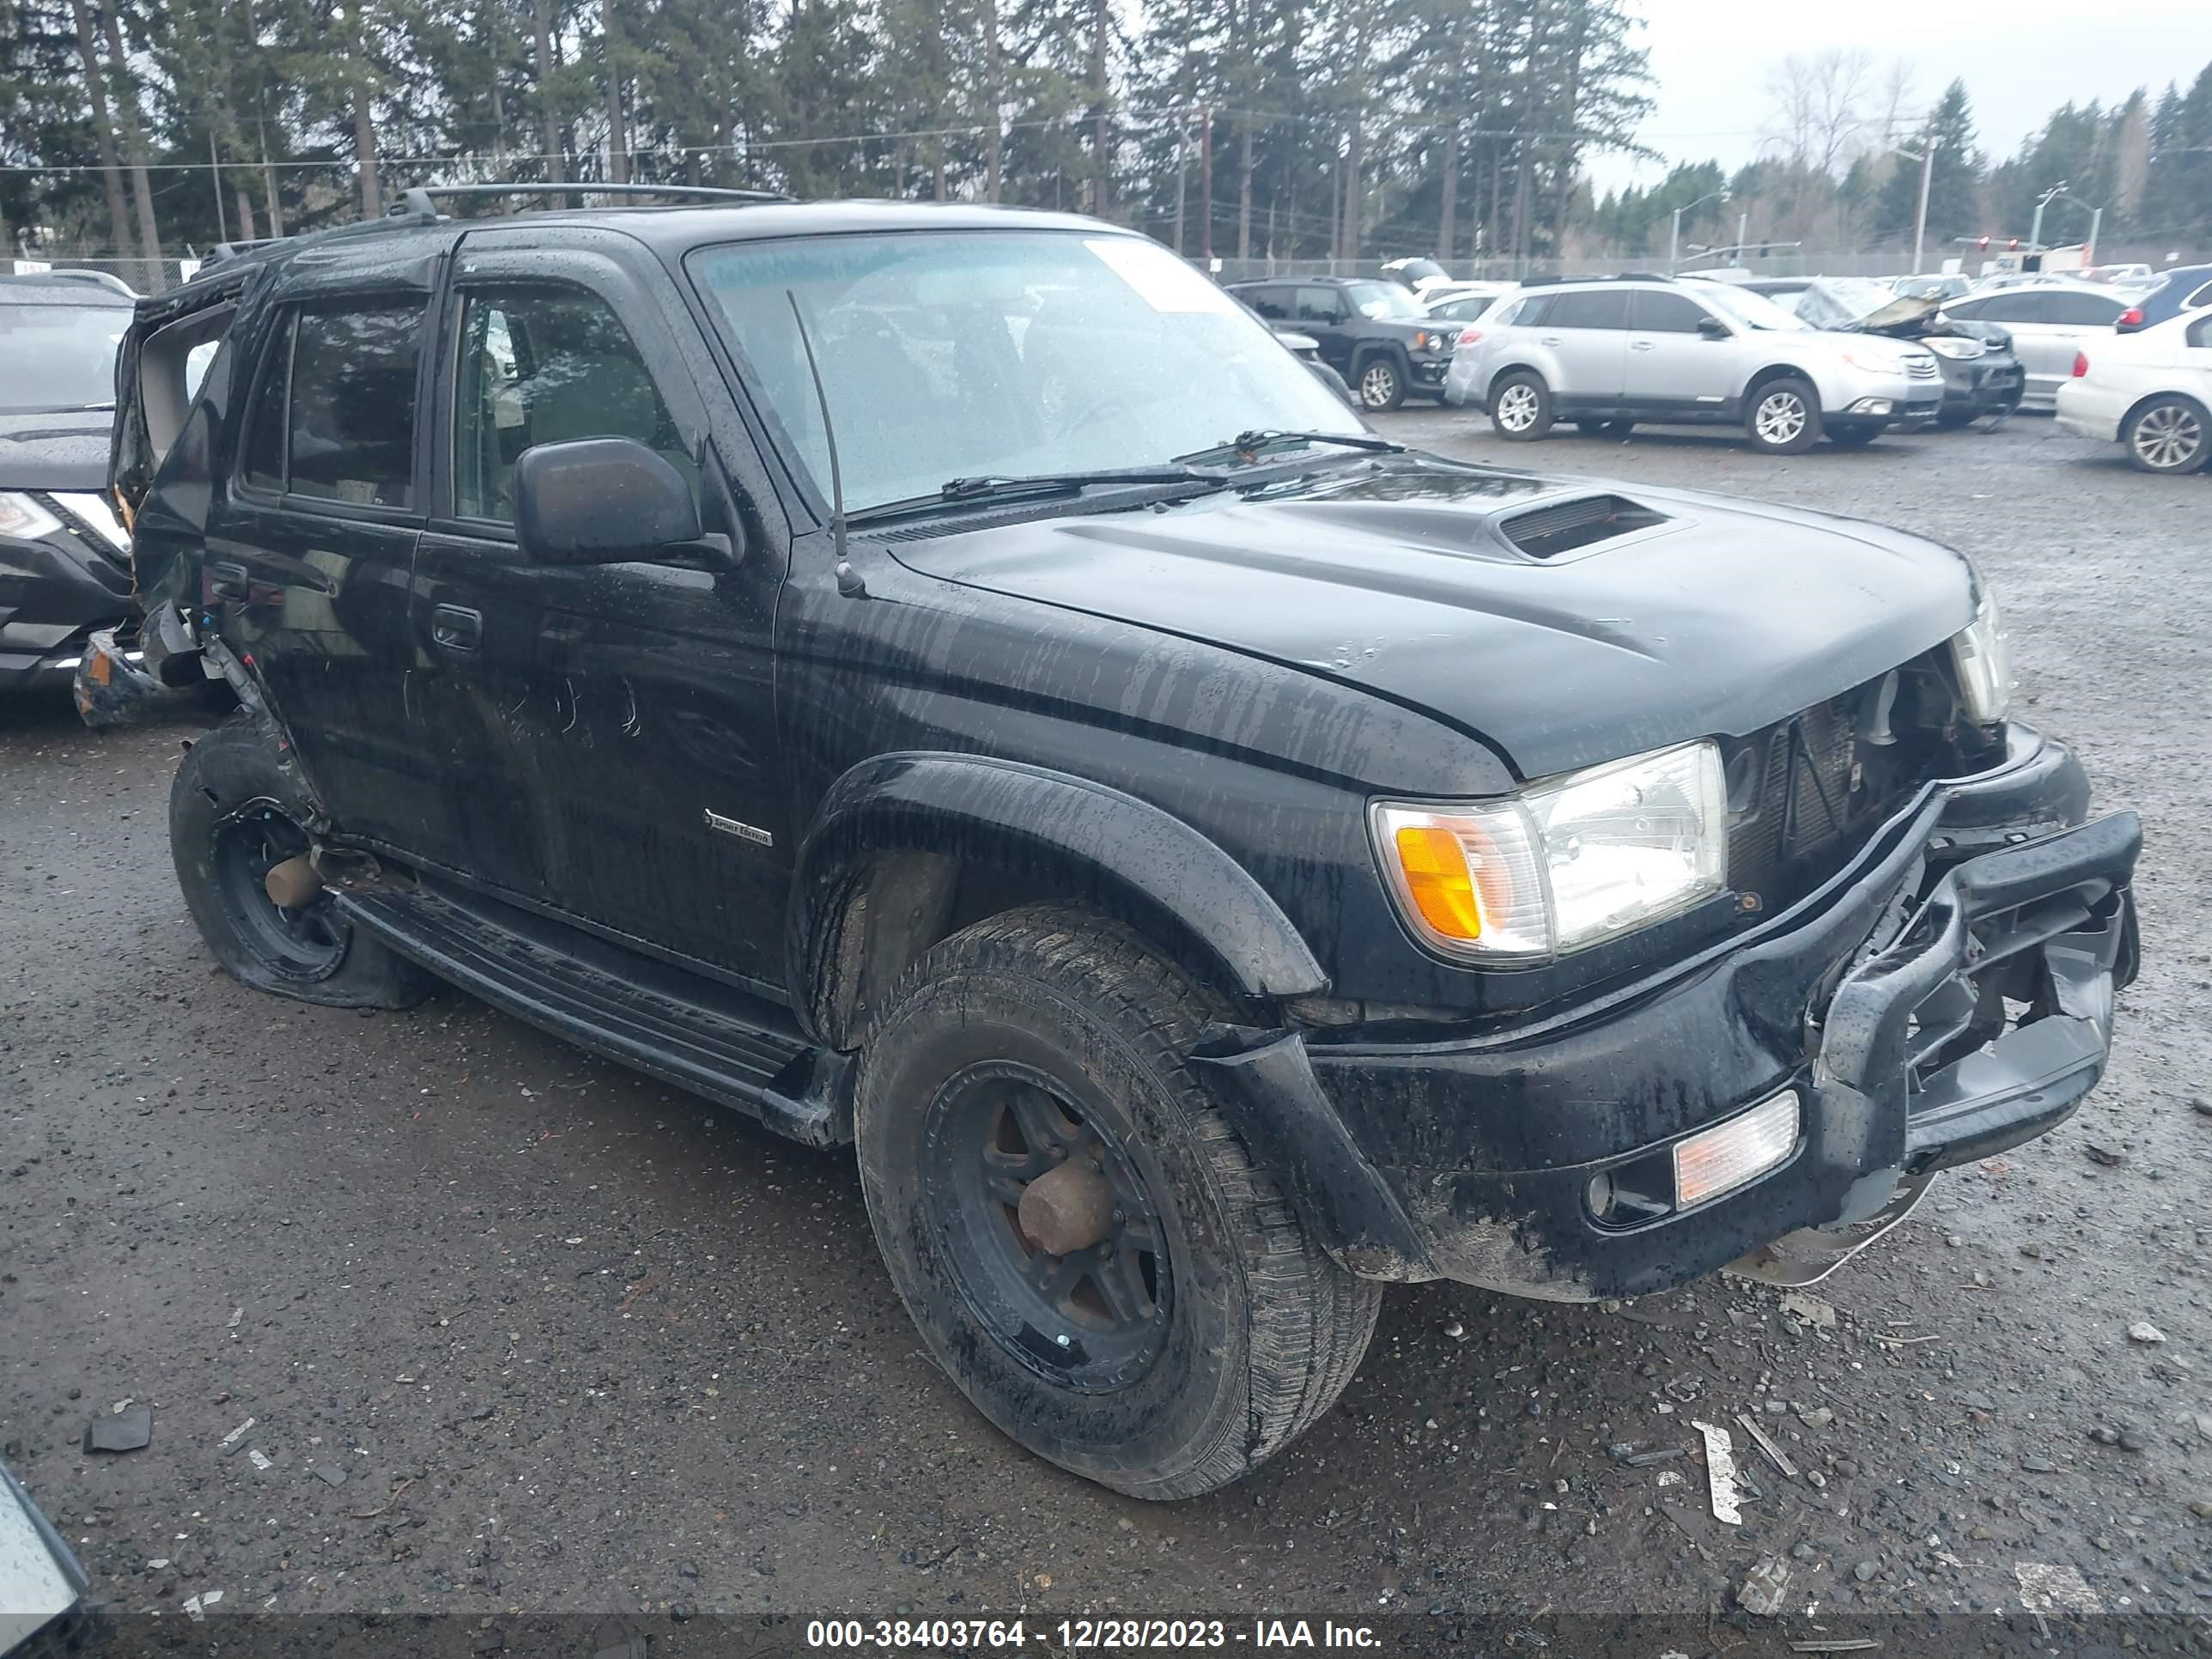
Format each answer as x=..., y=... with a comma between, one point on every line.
x=1711, y=61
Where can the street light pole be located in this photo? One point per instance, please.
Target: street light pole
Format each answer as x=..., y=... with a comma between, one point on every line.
x=1920, y=224
x=2035, y=229
x=1674, y=225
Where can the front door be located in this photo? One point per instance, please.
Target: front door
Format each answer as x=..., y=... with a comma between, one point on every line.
x=308, y=548
x=1671, y=368
x=1325, y=313
x=609, y=727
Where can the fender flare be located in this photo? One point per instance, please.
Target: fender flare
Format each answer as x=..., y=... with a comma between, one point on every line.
x=1110, y=848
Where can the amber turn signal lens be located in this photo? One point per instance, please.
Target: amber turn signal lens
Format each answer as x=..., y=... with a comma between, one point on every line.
x=1437, y=880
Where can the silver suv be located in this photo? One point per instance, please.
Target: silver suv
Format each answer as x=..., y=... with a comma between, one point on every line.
x=1606, y=353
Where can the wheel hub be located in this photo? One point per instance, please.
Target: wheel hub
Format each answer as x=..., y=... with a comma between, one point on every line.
x=1066, y=1209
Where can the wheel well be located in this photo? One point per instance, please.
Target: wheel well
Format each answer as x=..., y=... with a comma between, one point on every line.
x=1511, y=369
x=2149, y=398
x=1774, y=372
x=892, y=907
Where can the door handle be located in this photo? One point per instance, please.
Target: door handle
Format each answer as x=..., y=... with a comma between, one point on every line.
x=456, y=627
x=226, y=580
x=1547, y=339
x=1641, y=345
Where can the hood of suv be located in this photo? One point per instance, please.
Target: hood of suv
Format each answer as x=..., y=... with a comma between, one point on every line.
x=1563, y=620
x=66, y=450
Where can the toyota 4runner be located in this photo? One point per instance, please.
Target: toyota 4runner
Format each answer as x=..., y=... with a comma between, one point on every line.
x=1209, y=861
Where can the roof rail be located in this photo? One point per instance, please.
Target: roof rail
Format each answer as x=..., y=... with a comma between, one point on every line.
x=422, y=198
x=1609, y=277
x=107, y=279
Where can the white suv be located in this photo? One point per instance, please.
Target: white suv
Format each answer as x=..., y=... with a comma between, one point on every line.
x=1606, y=353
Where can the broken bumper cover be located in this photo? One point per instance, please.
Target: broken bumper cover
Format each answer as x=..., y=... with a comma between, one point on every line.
x=1882, y=1001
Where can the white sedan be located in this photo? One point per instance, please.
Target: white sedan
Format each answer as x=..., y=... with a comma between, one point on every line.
x=2150, y=393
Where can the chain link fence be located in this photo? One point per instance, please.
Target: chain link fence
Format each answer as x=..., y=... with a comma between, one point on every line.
x=144, y=276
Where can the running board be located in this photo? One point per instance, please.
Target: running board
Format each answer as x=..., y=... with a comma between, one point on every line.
x=736, y=1049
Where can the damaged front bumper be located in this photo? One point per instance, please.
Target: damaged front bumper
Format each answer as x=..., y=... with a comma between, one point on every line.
x=1948, y=995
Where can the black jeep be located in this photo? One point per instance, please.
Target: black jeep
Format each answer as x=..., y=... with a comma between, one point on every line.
x=840, y=660
x=1372, y=332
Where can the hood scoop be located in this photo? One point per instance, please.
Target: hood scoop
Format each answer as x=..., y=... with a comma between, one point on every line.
x=1545, y=532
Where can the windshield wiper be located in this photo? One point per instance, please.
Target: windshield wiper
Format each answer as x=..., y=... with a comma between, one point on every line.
x=985, y=486
x=1252, y=442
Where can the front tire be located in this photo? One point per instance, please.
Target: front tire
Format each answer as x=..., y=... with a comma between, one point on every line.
x=1853, y=437
x=238, y=808
x=1520, y=407
x=2170, y=433
x=1382, y=386
x=1784, y=418
x=1162, y=1322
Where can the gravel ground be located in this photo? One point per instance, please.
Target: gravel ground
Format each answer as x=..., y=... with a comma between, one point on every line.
x=514, y=1330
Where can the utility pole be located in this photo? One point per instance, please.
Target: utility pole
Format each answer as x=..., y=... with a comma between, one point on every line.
x=1183, y=152
x=2089, y=248
x=2035, y=230
x=1205, y=184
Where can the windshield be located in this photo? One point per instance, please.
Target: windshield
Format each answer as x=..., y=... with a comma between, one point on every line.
x=969, y=353
x=1837, y=300
x=59, y=356
x=1752, y=310
x=1380, y=300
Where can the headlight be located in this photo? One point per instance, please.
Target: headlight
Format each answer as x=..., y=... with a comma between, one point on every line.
x=25, y=519
x=1982, y=652
x=1951, y=346
x=1565, y=863
x=1871, y=363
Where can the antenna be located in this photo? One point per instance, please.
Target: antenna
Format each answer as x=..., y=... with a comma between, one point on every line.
x=848, y=580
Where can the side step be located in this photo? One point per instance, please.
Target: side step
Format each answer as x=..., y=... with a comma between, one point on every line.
x=735, y=1049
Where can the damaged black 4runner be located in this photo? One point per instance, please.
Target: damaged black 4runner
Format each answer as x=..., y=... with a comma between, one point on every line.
x=1211, y=861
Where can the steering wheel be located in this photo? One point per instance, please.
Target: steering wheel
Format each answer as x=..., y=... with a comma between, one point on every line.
x=1113, y=398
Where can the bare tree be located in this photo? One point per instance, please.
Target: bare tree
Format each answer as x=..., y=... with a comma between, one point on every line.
x=1821, y=106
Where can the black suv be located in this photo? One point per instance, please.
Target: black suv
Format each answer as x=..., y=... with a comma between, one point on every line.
x=1211, y=861
x=64, y=563
x=1371, y=332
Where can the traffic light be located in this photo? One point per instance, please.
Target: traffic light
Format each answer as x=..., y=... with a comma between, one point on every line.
x=1985, y=244
x=2013, y=246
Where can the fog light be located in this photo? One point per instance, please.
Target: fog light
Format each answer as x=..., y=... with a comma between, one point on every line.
x=1871, y=406
x=1744, y=1148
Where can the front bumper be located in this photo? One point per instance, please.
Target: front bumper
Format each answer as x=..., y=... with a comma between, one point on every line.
x=53, y=593
x=1881, y=999
x=1988, y=385
x=1429, y=375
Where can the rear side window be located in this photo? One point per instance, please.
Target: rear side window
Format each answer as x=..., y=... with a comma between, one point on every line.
x=1602, y=307
x=1273, y=303
x=2201, y=297
x=2200, y=331
x=2093, y=309
x=2016, y=308
x=333, y=414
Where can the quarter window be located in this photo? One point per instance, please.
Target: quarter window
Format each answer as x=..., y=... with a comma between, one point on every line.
x=542, y=366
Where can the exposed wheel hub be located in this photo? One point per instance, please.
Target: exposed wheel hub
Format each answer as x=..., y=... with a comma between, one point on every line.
x=1054, y=1236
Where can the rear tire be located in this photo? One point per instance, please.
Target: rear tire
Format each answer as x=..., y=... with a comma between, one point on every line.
x=2170, y=433
x=237, y=807
x=1784, y=416
x=1205, y=1330
x=1520, y=407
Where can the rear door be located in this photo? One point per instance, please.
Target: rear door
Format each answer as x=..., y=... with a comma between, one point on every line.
x=595, y=723
x=2044, y=347
x=309, y=549
x=1671, y=369
x=1587, y=329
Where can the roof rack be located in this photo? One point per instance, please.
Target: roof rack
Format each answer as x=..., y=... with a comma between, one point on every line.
x=422, y=198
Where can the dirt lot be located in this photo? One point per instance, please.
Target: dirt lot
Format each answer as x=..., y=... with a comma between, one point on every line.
x=515, y=1330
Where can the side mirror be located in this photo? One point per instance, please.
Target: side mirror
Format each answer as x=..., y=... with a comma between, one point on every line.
x=601, y=501
x=1714, y=329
